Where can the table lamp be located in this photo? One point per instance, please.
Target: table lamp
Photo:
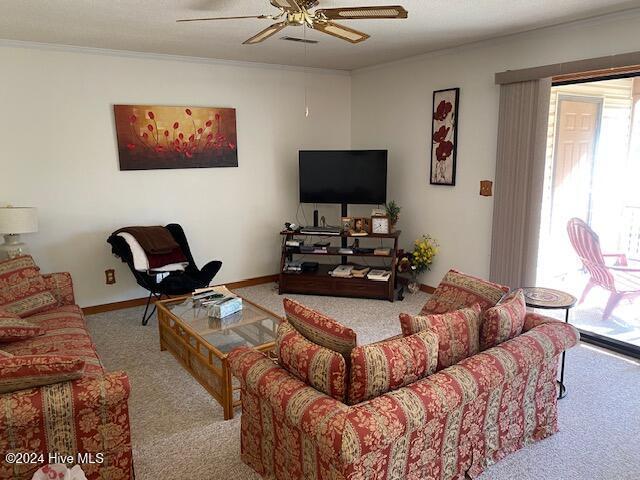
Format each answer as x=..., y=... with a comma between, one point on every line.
x=13, y=222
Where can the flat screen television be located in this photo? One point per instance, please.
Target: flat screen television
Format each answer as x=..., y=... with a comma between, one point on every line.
x=343, y=176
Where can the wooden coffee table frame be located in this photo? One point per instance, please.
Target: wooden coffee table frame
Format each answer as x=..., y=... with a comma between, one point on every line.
x=198, y=356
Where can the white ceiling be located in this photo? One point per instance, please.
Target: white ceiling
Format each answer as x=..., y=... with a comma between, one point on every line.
x=149, y=26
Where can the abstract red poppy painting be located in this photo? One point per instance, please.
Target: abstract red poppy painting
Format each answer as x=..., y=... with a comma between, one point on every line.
x=444, y=137
x=157, y=137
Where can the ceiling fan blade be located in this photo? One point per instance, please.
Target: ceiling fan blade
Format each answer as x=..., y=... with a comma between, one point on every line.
x=221, y=18
x=356, y=13
x=340, y=31
x=266, y=33
x=286, y=4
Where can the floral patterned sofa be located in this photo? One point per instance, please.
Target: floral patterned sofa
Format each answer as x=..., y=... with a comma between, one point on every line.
x=88, y=415
x=451, y=424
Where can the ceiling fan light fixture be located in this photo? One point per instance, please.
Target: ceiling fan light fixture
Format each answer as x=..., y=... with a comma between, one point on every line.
x=296, y=13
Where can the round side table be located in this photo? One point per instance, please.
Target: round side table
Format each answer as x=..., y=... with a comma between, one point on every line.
x=550, y=299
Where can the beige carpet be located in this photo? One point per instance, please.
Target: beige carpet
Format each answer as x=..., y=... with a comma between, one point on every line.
x=178, y=431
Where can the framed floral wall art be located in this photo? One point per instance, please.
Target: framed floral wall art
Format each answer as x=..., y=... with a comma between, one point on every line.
x=156, y=137
x=444, y=136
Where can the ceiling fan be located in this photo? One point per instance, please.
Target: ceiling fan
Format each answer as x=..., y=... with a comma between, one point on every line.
x=296, y=13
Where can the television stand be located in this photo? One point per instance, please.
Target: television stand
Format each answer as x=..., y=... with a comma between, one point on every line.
x=319, y=282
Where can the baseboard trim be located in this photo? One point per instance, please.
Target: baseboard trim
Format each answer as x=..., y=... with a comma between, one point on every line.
x=424, y=288
x=136, y=302
x=109, y=307
x=250, y=282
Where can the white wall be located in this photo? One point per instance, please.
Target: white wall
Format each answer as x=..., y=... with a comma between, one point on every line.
x=391, y=107
x=58, y=153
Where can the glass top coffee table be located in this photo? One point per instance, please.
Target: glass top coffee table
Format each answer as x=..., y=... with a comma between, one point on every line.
x=201, y=344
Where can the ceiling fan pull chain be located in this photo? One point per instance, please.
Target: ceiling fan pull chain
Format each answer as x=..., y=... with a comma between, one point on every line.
x=306, y=57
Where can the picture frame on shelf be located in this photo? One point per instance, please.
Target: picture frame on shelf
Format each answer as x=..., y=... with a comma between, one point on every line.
x=346, y=223
x=380, y=225
x=360, y=226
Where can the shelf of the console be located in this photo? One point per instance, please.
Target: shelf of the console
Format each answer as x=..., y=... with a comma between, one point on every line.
x=394, y=234
x=333, y=252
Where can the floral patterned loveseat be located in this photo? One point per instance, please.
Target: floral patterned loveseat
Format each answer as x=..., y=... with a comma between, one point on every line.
x=86, y=416
x=451, y=424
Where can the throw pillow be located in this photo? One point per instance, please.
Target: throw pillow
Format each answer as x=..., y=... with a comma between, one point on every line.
x=323, y=369
x=504, y=321
x=381, y=367
x=14, y=328
x=458, y=333
x=319, y=328
x=459, y=290
x=29, y=371
x=23, y=291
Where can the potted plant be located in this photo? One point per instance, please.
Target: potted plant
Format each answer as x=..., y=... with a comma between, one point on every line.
x=419, y=260
x=393, y=212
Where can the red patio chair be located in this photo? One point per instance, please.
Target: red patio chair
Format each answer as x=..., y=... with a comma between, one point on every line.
x=620, y=280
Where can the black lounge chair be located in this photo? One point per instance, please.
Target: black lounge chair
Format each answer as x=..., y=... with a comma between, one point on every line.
x=175, y=283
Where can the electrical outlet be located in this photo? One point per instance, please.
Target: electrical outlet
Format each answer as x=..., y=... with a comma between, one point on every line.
x=110, y=276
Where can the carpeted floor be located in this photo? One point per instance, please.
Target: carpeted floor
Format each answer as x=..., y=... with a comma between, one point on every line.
x=178, y=431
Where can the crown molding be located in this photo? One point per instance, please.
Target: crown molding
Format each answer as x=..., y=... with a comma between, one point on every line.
x=56, y=47
x=502, y=39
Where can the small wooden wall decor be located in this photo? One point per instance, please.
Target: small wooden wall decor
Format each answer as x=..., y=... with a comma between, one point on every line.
x=486, y=188
x=444, y=136
x=156, y=137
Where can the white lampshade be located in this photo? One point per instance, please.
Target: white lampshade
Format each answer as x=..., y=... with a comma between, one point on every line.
x=15, y=220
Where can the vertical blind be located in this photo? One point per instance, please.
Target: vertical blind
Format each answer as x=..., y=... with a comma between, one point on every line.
x=522, y=134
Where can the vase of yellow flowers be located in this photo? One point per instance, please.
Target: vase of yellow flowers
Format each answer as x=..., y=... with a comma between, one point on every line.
x=419, y=260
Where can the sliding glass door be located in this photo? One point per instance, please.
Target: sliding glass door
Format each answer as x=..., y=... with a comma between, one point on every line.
x=590, y=225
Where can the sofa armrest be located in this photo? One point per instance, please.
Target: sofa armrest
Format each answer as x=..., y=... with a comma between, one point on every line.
x=562, y=335
x=88, y=415
x=61, y=286
x=533, y=320
x=317, y=415
x=378, y=423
